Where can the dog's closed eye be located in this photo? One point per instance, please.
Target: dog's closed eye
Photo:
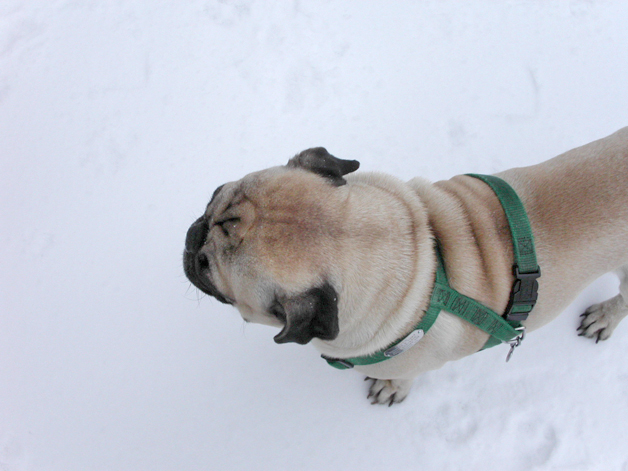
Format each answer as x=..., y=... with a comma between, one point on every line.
x=228, y=225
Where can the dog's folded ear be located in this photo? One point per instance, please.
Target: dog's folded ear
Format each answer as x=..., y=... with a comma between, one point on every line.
x=312, y=314
x=321, y=162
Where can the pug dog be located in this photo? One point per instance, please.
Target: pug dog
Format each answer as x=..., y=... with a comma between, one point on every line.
x=346, y=261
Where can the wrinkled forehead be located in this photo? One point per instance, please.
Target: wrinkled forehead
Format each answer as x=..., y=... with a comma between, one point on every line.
x=249, y=185
x=293, y=191
x=290, y=219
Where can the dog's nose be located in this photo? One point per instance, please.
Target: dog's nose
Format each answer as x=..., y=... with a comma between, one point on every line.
x=196, y=235
x=201, y=263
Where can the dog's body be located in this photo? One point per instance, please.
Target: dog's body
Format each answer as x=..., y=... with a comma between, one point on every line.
x=351, y=266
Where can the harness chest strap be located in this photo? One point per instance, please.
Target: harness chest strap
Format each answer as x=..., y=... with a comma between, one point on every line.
x=526, y=270
x=523, y=296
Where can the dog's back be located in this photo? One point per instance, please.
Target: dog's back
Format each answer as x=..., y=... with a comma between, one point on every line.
x=578, y=207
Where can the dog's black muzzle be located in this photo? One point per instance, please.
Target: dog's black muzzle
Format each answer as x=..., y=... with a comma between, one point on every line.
x=196, y=263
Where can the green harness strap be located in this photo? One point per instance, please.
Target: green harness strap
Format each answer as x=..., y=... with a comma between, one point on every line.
x=502, y=329
x=393, y=349
x=526, y=270
x=448, y=299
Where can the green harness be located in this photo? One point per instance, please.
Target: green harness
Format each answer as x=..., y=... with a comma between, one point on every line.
x=502, y=329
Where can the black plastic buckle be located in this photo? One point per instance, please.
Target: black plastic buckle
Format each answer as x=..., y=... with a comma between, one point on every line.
x=524, y=293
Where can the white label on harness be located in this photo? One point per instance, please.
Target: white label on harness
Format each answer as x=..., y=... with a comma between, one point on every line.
x=410, y=341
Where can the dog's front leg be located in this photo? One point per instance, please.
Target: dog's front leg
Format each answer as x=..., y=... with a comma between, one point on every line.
x=389, y=391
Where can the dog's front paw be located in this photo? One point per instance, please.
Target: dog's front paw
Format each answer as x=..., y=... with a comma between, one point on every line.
x=600, y=320
x=389, y=391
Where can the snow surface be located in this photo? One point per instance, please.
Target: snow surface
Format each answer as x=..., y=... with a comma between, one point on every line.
x=117, y=121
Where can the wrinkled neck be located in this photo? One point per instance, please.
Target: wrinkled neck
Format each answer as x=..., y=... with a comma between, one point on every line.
x=386, y=266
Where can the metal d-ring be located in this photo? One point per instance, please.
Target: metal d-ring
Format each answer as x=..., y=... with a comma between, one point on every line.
x=514, y=343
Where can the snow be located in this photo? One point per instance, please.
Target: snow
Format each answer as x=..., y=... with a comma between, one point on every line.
x=117, y=122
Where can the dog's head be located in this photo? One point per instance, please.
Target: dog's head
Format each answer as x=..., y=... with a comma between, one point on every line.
x=268, y=242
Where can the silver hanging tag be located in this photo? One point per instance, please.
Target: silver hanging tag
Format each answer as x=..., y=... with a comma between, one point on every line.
x=410, y=341
x=514, y=343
